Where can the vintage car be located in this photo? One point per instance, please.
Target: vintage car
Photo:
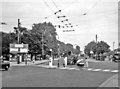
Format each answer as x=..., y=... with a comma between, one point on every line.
x=116, y=58
x=72, y=59
x=4, y=64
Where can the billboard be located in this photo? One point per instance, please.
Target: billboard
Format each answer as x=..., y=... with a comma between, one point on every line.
x=18, y=48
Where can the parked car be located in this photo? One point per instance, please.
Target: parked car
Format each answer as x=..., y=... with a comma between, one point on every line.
x=5, y=64
x=116, y=58
x=72, y=59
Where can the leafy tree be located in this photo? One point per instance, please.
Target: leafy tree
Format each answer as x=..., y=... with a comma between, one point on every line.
x=100, y=47
x=48, y=32
x=77, y=50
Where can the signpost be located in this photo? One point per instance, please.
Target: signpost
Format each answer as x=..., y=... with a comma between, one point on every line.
x=18, y=49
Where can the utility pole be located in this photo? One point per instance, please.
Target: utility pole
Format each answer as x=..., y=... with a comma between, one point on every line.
x=96, y=45
x=19, y=31
x=42, y=45
x=113, y=45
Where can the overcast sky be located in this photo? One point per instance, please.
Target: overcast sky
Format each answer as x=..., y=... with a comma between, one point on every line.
x=101, y=18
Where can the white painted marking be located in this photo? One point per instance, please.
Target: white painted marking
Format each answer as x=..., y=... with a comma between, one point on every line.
x=106, y=70
x=114, y=71
x=96, y=70
x=62, y=68
x=72, y=68
x=90, y=69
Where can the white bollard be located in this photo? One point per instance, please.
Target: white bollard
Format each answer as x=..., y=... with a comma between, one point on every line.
x=65, y=61
x=51, y=62
x=87, y=64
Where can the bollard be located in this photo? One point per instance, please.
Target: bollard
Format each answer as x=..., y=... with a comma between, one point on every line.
x=58, y=63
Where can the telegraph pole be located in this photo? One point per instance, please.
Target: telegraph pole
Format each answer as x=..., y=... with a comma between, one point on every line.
x=19, y=31
x=96, y=45
x=113, y=45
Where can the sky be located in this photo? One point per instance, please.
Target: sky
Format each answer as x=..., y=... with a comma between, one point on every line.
x=101, y=18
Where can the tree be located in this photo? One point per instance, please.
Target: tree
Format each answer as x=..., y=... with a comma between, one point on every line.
x=100, y=47
x=47, y=32
x=69, y=47
x=77, y=50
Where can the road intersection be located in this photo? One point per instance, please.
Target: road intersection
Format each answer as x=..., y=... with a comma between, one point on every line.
x=41, y=75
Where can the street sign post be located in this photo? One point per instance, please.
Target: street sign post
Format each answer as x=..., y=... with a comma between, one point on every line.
x=19, y=49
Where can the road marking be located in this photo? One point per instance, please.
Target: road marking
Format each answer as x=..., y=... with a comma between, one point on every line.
x=96, y=70
x=114, y=71
x=74, y=68
x=106, y=70
x=90, y=69
x=62, y=68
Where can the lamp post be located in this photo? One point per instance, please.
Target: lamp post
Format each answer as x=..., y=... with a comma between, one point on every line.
x=96, y=46
x=58, y=49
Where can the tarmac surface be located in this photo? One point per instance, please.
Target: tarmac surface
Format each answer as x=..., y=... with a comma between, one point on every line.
x=110, y=82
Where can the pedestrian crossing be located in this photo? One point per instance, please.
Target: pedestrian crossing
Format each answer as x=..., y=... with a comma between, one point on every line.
x=75, y=68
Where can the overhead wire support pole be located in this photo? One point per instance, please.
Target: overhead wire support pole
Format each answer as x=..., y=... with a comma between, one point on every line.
x=19, y=31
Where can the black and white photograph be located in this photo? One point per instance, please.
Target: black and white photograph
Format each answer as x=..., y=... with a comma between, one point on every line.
x=59, y=44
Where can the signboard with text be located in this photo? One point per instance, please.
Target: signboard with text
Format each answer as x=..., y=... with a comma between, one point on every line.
x=18, y=48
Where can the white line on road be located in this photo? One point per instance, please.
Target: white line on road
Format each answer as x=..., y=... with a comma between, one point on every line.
x=90, y=69
x=74, y=68
x=114, y=71
x=96, y=70
x=106, y=70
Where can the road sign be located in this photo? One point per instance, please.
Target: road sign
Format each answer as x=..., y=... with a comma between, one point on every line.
x=18, y=48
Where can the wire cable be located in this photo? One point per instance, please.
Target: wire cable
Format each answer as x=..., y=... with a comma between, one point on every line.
x=61, y=13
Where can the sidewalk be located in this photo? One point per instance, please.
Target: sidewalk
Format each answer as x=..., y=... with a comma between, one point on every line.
x=92, y=60
x=28, y=63
x=111, y=82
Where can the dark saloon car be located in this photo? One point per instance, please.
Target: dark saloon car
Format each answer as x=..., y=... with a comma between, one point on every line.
x=116, y=58
x=4, y=64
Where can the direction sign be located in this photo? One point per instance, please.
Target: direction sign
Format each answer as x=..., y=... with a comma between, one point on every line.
x=18, y=48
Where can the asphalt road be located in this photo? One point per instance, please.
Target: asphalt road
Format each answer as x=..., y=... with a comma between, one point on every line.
x=95, y=65
x=33, y=76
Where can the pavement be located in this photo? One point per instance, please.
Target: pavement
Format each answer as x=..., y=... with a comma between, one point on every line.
x=28, y=63
x=111, y=82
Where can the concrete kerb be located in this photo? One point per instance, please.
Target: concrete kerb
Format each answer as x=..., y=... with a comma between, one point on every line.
x=29, y=63
x=111, y=82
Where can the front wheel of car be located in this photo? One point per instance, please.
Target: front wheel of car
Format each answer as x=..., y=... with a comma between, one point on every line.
x=7, y=67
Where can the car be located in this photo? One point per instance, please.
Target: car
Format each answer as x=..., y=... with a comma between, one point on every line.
x=5, y=65
x=116, y=58
x=72, y=59
x=80, y=62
